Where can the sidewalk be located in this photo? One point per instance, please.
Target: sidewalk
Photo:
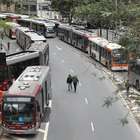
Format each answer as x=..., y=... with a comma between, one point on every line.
x=13, y=48
x=132, y=101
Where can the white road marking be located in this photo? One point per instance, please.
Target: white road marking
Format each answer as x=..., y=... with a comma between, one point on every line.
x=50, y=103
x=46, y=131
x=71, y=70
x=62, y=61
x=80, y=84
x=54, y=54
x=59, y=48
x=92, y=127
x=41, y=130
x=86, y=100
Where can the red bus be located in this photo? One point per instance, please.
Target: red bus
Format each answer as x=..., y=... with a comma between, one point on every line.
x=11, y=30
x=23, y=107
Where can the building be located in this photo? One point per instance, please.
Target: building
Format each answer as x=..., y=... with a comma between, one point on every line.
x=7, y=7
x=40, y=8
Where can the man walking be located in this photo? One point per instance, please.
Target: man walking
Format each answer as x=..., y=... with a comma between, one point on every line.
x=75, y=82
x=69, y=82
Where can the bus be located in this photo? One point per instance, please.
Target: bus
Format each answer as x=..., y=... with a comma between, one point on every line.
x=42, y=27
x=134, y=74
x=17, y=62
x=2, y=17
x=11, y=30
x=107, y=53
x=24, y=105
x=77, y=37
x=25, y=37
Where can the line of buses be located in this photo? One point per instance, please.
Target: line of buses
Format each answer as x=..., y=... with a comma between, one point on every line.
x=109, y=54
x=24, y=103
x=32, y=88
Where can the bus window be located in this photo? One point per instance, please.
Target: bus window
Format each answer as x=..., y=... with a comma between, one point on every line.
x=18, y=112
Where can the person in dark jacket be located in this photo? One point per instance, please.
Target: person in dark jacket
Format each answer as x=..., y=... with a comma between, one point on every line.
x=69, y=82
x=75, y=82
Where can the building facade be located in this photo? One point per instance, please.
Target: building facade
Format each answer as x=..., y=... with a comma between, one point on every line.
x=7, y=8
x=40, y=8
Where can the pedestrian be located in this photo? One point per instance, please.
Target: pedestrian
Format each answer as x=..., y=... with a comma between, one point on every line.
x=127, y=86
x=8, y=46
x=69, y=82
x=75, y=82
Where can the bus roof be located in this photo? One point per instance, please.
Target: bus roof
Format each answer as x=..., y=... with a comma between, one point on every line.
x=113, y=46
x=39, y=46
x=35, y=36
x=32, y=34
x=19, y=57
x=85, y=33
x=99, y=41
x=24, y=29
x=29, y=82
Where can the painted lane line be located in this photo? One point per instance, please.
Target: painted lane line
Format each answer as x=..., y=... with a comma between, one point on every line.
x=41, y=130
x=92, y=127
x=46, y=131
x=80, y=84
x=50, y=103
x=71, y=70
x=62, y=61
x=59, y=48
x=54, y=53
x=86, y=101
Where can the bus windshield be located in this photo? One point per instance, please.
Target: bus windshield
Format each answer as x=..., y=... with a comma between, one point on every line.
x=118, y=56
x=18, y=113
x=50, y=29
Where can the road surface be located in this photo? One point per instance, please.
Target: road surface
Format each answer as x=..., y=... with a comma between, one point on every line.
x=81, y=116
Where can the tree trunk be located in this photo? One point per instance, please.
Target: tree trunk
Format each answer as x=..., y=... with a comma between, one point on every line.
x=107, y=34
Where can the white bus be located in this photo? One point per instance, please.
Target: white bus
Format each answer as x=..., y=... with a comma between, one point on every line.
x=11, y=30
x=24, y=105
x=25, y=37
x=109, y=54
x=17, y=62
x=41, y=26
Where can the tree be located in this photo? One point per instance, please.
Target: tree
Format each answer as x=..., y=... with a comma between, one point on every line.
x=67, y=7
x=7, y=3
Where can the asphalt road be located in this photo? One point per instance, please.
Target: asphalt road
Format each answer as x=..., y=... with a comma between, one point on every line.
x=81, y=116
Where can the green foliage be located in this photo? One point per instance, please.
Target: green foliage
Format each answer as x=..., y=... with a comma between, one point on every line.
x=3, y=25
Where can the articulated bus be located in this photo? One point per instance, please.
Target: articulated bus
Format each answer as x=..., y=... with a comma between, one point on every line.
x=134, y=74
x=42, y=27
x=109, y=54
x=78, y=37
x=25, y=37
x=23, y=107
x=17, y=62
x=11, y=30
